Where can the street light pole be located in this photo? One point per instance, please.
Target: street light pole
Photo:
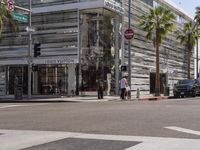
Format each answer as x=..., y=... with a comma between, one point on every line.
x=129, y=47
x=29, y=54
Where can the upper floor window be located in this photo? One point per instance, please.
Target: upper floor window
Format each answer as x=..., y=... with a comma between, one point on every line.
x=149, y=2
x=155, y=4
x=180, y=19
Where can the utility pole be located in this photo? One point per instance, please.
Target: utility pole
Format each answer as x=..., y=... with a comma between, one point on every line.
x=129, y=47
x=29, y=53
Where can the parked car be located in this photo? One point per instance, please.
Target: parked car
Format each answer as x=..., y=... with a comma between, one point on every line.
x=187, y=87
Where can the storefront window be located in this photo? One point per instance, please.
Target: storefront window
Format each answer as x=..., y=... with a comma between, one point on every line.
x=98, y=53
x=17, y=76
x=50, y=80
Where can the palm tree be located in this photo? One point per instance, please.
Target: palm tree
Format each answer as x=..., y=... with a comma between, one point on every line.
x=188, y=37
x=196, y=26
x=197, y=17
x=157, y=23
x=6, y=17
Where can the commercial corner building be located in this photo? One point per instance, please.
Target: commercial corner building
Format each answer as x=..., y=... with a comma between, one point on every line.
x=82, y=41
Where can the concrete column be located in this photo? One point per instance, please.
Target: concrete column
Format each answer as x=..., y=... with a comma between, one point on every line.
x=71, y=79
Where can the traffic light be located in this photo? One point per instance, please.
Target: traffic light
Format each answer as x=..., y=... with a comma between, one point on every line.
x=123, y=68
x=37, y=49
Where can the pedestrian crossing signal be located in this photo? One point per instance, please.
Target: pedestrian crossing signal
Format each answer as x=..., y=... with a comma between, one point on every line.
x=34, y=67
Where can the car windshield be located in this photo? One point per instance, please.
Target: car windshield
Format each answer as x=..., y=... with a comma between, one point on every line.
x=185, y=81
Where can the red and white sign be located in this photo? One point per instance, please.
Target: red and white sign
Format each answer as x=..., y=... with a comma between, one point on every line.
x=10, y=5
x=129, y=34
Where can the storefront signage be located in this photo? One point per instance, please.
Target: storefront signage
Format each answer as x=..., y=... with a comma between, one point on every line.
x=114, y=6
x=57, y=60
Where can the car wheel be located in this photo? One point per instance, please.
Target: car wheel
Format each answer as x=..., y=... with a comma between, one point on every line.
x=176, y=96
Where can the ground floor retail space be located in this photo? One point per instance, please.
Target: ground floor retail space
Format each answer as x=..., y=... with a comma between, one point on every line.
x=46, y=79
x=63, y=80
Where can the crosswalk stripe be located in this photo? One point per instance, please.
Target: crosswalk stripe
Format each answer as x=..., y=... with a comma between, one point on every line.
x=28, y=105
x=183, y=130
x=20, y=139
x=9, y=106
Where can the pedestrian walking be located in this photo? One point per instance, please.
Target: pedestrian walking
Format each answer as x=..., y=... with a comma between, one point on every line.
x=123, y=85
x=128, y=92
x=100, y=89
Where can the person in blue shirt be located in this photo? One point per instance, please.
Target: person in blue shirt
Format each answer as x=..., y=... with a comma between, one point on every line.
x=123, y=85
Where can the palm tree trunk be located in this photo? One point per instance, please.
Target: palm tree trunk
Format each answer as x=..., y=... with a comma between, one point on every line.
x=157, y=85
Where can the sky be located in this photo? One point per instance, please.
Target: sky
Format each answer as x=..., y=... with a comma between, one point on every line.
x=188, y=5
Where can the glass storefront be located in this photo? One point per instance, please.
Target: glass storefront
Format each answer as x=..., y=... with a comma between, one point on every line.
x=46, y=79
x=50, y=80
x=95, y=41
x=17, y=76
x=99, y=46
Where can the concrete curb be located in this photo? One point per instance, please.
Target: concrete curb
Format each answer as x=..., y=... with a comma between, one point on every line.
x=154, y=98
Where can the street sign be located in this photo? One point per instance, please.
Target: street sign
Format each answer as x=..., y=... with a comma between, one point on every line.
x=10, y=5
x=20, y=17
x=28, y=29
x=128, y=34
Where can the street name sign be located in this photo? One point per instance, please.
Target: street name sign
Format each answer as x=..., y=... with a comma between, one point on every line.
x=128, y=34
x=20, y=17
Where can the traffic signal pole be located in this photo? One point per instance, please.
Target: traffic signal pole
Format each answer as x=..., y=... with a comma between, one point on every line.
x=29, y=54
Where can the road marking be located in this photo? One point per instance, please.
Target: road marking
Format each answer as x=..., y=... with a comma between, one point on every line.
x=10, y=106
x=183, y=130
x=20, y=139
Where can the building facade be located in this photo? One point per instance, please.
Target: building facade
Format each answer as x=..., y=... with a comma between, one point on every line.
x=81, y=41
x=173, y=55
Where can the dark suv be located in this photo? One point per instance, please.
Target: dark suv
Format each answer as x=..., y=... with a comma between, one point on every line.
x=187, y=87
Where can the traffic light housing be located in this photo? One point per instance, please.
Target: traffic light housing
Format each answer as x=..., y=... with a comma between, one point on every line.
x=37, y=48
x=124, y=68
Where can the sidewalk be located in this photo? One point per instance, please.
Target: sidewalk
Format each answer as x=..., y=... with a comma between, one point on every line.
x=83, y=99
x=63, y=99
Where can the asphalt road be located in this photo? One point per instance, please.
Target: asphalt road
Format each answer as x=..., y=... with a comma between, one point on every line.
x=167, y=118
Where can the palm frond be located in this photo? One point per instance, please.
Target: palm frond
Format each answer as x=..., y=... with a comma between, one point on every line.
x=158, y=18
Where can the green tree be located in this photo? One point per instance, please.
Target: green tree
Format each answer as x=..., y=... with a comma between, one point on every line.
x=188, y=37
x=197, y=27
x=6, y=18
x=197, y=17
x=157, y=23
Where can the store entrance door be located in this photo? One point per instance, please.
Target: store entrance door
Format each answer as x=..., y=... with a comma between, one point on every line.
x=163, y=82
x=19, y=73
